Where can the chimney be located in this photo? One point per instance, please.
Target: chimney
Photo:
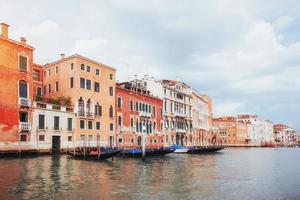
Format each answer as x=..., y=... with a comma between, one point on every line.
x=4, y=30
x=23, y=40
x=62, y=55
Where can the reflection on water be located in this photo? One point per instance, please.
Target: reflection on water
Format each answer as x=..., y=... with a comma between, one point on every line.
x=236, y=173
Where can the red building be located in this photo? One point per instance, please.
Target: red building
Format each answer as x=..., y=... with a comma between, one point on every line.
x=137, y=111
x=18, y=86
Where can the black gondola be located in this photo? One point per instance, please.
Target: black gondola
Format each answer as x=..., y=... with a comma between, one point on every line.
x=149, y=152
x=94, y=155
x=209, y=149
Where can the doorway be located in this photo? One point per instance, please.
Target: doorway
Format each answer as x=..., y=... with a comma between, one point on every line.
x=139, y=140
x=56, y=144
x=111, y=141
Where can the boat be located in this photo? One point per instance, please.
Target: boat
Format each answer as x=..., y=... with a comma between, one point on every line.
x=179, y=149
x=196, y=149
x=101, y=154
x=208, y=149
x=138, y=152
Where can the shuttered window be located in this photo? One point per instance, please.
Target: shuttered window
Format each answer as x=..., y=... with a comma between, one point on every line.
x=23, y=63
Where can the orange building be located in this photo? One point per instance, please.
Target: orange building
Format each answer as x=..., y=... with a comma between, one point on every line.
x=16, y=90
x=137, y=108
x=232, y=131
x=89, y=86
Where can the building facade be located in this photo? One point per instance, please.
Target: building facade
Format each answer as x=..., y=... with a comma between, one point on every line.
x=285, y=135
x=177, y=109
x=232, y=131
x=89, y=86
x=16, y=94
x=261, y=130
x=138, y=111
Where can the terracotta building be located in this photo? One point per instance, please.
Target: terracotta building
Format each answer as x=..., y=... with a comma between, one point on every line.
x=17, y=90
x=232, y=131
x=90, y=87
x=137, y=111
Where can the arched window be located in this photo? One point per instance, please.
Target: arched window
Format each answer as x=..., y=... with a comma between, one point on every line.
x=119, y=102
x=111, y=111
x=120, y=121
x=98, y=109
x=23, y=92
x=88, y=106
x=80, y=107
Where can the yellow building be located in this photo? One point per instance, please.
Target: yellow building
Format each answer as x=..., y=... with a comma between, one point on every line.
x=90, y=85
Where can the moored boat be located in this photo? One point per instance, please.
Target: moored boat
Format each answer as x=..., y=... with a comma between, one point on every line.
x=208, y=149
x=101, y=154
x=137, y=152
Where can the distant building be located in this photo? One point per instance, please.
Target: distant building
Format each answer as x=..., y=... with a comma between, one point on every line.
x=260, y=131
x=285, y=135
x=137, y=108
x=232, y=131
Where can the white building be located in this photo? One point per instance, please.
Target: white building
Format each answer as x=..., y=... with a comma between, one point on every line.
x=52, y=127
x=177, y=108
x=261, y=131
x=285, y=135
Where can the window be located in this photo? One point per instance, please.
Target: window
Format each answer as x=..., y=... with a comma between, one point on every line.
x=49, y=72
x=97, y=72
x=41, y=121
x=120, y=121
x=44, y=89
x=97, y=87
x=111, y=126
x=36, y=75
x=41, y=138
x=72, y=66
x=44, y=74
x=137, y=106
x=39, y=91
x=120, y=140
x=111, y=91
x=131, y=105
x=80, y=107
x=70, y=138
x=90, y=125
x=56, y=86
x=56, y=123
x=70, y=124
x=82, y=83
x=23, y=138
x=82, y=67
x=111, y=111
x=154, y=110
x=98, y=126
x=49, y=88
x=23, y=89
x=110, y=76
x=81, y=124
x=23, y=62
x=98, y=109
x=88, y=68
x=56, y=69
x=88, y=84
x=119, y=102
x=131, y=122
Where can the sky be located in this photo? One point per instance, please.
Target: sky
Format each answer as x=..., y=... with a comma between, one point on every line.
x=245, y=54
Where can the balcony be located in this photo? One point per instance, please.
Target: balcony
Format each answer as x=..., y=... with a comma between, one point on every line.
x=178, y=114
x=89, y=115
x=24, y=126
x=179, y=130
x=144, y=114
x=24, y=102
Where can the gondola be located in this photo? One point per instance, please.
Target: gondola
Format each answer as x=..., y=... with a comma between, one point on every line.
x=94, y=155
x=199, y=150
x=137, y=152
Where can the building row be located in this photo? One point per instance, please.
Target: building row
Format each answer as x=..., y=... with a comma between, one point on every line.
x=77, y=102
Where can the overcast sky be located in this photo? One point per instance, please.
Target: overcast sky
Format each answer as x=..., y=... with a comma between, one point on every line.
x=244, y=54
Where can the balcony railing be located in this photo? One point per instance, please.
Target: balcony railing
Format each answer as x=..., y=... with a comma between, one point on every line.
x=25, y=126
x=179, y=130
x=178, y=114
x=86, y=114
x=24, y=102
x=144, y=114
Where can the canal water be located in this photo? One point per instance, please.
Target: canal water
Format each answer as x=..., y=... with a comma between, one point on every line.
x=234, y=173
